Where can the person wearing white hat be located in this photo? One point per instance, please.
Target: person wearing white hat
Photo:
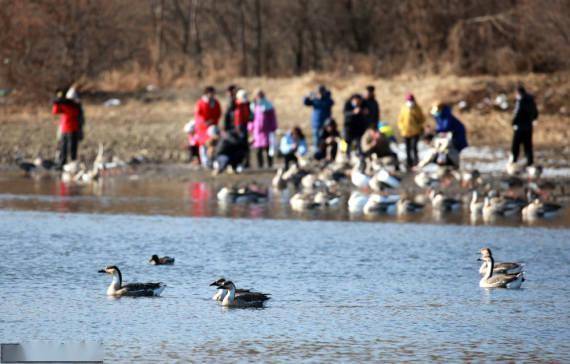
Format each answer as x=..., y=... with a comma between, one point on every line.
x=70, y=125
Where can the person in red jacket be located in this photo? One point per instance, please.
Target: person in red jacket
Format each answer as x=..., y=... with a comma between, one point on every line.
x=69, y=127
x=242, y=116
x=207, y=112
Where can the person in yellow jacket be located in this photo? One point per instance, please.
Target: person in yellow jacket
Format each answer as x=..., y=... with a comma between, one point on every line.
x=411, y=124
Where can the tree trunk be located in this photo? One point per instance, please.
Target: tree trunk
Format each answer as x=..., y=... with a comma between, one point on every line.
x=258, y=38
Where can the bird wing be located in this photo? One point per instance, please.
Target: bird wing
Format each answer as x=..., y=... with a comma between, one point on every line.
x=166, y=260
x=252, y=296
x=501, y=280
x=506, y=265
x=141, y=286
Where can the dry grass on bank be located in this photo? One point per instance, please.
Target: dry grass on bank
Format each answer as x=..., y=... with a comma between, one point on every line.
x=155, y=128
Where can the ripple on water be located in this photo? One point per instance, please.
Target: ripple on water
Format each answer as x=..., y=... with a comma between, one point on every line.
x=340, y=291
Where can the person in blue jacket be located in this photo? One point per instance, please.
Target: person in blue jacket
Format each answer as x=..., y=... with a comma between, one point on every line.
x=445, y=122
x=292, y=145
x=322, y=104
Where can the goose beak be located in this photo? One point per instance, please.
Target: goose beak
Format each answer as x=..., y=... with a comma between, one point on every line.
x=479, y=259
x=101, y=271
x=214, y=284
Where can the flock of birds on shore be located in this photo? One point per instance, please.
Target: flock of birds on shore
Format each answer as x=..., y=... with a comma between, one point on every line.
x=493, y=274
x=379, y=189
x=78, y=172
x=374, y=188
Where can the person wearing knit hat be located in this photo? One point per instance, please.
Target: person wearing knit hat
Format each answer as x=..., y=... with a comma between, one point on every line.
x=411, y=124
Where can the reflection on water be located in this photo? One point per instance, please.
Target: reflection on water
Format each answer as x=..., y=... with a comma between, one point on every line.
x=198, y=199
x=347, y=292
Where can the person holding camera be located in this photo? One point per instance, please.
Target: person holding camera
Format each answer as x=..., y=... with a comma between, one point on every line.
x=322, y=104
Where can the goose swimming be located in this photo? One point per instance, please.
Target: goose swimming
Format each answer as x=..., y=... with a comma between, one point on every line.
x=377, y=204
x=538, y=209
x=440, y=202
x=407, y=206
x=491, y=209
x=500, y=268
x=327, y=199
x=117, y=288
x=426, y=180
x=491, y=280
x=249, y=194
x=155, y=260
x=221, y=292
x=475, y=206
x=242, y=299
x=356, y=201
x=302, y=201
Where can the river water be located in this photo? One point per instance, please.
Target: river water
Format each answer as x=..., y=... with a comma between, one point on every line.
x=341, y=291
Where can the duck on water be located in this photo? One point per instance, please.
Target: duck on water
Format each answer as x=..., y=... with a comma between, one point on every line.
x=492, y=280
x=230, y=296
x=118, y=289
x=500, y=268
x=156, y=260
x=222, y=292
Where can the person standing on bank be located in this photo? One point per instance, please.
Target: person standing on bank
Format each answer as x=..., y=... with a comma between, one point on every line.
x=322, y=104
x=411, y=124
x=207, y=112
x=262, y=127
x=525, y=116
x=230, y=108
x=241, y=117
x=355, y=123
x=371, y=105
x=69, y=125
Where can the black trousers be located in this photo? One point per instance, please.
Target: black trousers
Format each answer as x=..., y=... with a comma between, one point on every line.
x=260, y=152
x=412, y=158
x=523, y=137
x=68, y=144
x=244, y=136
x=350, y=141
x=193, y=152
x=290, y=157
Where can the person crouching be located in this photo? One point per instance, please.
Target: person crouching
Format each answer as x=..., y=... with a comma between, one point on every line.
x=373, y=142
x=293, y=145
x=328, y=145
x=230, y=151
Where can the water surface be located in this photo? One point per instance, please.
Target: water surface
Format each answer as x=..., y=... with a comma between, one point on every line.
x=342, y=291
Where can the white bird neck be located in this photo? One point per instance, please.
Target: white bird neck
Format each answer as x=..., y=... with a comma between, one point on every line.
x=117, y=280
x=231, y=293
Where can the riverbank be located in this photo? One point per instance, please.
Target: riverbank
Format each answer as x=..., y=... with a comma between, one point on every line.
x=149, y=123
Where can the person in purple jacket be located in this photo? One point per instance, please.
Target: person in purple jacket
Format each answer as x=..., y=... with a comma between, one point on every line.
x=262, y=128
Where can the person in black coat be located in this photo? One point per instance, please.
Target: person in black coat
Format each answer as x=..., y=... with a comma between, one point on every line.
x=230, y=151
x=328, y=145
x=372, y=107
x=355, y=122
x=525, y=116
x=230, y=108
